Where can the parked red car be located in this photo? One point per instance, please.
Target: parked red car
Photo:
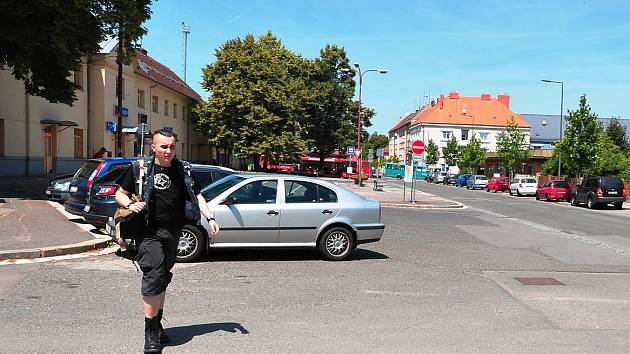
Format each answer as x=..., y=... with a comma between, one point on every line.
x=498, y=184
x=554, y=190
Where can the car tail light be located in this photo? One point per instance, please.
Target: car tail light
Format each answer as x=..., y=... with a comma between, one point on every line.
x=94, y=174
x=104, y=191
x=520, y=185
x=599, y=192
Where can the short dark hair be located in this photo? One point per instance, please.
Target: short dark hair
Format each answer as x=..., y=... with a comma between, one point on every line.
x=166, y=133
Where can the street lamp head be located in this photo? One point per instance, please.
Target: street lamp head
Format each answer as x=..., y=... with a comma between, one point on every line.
x=382, y=71
x=356, y=65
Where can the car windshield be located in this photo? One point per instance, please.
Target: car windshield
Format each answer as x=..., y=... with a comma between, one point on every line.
x=528, y=180
x=220, y=186
x=482, y=178
x=611, y=182
x=86, y=170
x=561, y=184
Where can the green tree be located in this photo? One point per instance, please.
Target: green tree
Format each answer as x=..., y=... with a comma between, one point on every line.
x=512, y=148
x=451, y=152
x=472, y=155
x=432, y=153
x=42, y=41
x=256, y=106
x=617, y=134
x=329, y=101
x=579, y=144
x=609, y=158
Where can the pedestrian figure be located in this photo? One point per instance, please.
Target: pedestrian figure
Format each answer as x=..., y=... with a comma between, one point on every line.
x=170, y=197
x=101, y=153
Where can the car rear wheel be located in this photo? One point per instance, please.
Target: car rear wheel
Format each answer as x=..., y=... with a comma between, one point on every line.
x=192, y=244
x=398, y=177
x=518, y=193
x=537, y=196
x=590, y=203
x=336, y=244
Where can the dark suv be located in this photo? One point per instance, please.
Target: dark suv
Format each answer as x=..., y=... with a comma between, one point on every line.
x=85, y=176
x=599, y=191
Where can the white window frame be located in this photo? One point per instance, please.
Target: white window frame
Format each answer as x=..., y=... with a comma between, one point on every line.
x=487, y=135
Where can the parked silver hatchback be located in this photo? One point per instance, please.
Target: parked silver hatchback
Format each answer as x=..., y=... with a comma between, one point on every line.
x=268, y=210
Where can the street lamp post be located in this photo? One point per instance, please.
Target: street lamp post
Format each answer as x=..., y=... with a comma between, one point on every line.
x=357, y=69
x=561, y=118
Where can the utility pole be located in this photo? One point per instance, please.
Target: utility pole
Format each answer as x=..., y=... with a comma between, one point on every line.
x=186, y=32
x=119, y=92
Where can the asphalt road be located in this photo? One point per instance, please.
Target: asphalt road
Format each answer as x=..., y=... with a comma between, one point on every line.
x=440, y=281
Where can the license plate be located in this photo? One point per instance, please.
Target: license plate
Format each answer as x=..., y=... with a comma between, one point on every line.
x=73, y=189
x=612, y=192
x=86, y=208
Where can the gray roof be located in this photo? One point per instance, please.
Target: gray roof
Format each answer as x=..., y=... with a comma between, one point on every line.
x=550, y=131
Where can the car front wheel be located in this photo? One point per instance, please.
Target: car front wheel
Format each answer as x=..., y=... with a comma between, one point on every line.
x=192, y=244
x=336, y=244
x=590, y=203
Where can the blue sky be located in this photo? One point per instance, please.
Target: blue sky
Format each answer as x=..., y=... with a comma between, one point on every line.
x=429, y=47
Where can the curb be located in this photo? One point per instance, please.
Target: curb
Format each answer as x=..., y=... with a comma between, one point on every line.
x=422, y=206
x=55, y=250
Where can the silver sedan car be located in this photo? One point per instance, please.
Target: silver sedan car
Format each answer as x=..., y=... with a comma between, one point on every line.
x=266, y=210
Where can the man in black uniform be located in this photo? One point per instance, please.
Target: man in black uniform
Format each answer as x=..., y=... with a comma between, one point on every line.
x=166, y=188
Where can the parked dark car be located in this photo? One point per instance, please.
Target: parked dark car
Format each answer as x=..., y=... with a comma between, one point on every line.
x=449, y=179
x=599, y=191
x=59, y=187
x=101, y=202
x=85, y=176
x=462, y=179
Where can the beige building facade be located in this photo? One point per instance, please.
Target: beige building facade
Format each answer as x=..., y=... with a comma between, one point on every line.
x=38, y=137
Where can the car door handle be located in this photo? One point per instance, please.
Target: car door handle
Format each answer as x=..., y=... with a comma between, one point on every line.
x=326, y=212
x=272, y=212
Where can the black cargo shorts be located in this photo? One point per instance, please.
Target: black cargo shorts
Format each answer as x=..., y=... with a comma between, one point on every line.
x=157, y=253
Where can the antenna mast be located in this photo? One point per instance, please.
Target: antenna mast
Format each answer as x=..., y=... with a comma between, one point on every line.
x=185, y=31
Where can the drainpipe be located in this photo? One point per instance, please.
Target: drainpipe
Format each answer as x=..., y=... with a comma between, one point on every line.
x=89, y=107
x=27, y=133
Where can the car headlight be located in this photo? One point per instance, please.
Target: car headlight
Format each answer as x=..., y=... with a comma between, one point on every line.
x=63, y=186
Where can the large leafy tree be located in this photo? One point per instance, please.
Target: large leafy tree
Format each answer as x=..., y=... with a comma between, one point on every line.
x=432, y=153
x=257, y=87
x=328, y=103
x=472, y=155
x=609, y=159
x=42, y=41
x=512, y=146
x=617, y=134
x=579, y=144
x=451, y=152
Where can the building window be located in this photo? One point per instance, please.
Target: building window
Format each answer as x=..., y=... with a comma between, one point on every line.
x=1, y=137
x=77, y=77
x=123, y=88
x=184, y=112
x=464, y=134
x=141, y=98
x=174, y=110
x=78, y=143
x=154, y=104
x=484, y=136
x=166, y=108
x=446, y=134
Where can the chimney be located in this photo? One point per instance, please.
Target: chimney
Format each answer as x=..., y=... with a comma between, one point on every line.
x=432, y=103
x=441, y=101
x=485, y=97
x=505, y=99
x=453, y=95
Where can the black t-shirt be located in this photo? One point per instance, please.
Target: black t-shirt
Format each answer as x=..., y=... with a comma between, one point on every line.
x=169, y=195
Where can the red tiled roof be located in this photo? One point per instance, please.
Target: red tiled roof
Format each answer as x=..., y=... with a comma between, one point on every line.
x=481, y=110
x=155, y=71
x=405, y=120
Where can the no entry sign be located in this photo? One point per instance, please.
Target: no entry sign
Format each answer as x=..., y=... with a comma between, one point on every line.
x=417, y=147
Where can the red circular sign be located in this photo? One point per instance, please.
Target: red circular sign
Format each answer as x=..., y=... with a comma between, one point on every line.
x=417, y=147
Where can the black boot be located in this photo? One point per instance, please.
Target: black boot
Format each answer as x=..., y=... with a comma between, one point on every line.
x=151, y=336
x=163, y=336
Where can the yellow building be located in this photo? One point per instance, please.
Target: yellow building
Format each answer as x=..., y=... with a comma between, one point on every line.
x=38, y=137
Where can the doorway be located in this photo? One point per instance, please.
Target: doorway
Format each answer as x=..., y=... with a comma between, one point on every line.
x=50, y=148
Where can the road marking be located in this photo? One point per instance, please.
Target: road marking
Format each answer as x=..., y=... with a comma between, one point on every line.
x=101, y=252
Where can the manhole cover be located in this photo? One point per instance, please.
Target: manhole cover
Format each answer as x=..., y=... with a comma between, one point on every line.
x=539, y=281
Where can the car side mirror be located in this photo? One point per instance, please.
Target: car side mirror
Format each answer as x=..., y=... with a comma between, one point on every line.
x=229, y=201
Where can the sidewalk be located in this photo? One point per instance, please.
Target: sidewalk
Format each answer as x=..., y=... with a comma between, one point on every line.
x=32, y=227
x=393, y=197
